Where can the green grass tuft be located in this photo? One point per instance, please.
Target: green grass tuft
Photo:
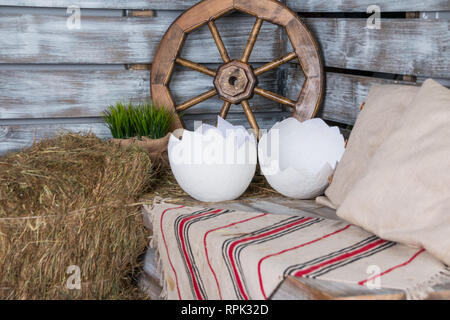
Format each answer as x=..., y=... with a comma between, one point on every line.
x=126, y=120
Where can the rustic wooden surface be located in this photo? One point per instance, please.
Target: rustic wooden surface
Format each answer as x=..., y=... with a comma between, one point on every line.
x=361, y=5
x=13, y=137
x=346, y=43
x=43, y=38
x=25, y=99
x=87, y=93
x=37, y=40
x=295, y=288
x=344, y=92
x=17, y=136
x=150, y=279
x=299, y=5
x=401, y=46
x=276, y=205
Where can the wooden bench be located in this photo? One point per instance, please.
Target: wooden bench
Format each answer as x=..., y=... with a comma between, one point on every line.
x=292, y=288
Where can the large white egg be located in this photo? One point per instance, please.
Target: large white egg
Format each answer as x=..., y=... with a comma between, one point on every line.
x=214, y=164
x=297, y=158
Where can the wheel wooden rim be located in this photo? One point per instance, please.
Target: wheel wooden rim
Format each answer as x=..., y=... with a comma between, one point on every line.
x=242, y=77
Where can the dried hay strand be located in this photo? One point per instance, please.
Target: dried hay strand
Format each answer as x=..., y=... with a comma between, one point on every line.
x=71, y=201
x=165, y=185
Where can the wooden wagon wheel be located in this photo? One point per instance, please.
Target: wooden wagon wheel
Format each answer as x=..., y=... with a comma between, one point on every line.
x=236, y=81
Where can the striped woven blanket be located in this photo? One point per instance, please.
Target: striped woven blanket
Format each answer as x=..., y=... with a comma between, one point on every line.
x=208, y=253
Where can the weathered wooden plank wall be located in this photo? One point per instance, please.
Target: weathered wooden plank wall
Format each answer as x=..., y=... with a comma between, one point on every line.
x=401, y=46
x=15, y=136
x=52, y=77
x=65, y=93
x=35, y=38
x=297, y=5
x=346, y=42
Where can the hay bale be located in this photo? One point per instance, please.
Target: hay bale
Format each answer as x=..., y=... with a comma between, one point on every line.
x=70, y=201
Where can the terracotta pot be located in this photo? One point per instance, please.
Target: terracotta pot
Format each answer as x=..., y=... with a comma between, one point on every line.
x=156, y=148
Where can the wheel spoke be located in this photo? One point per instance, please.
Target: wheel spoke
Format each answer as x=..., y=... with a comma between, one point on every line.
x=250, y=117
x=275, y=97
x=195, y=66
x=251, y=41
x=225, y=108
x=196, y=100
x=274, y=64
x=219, y=42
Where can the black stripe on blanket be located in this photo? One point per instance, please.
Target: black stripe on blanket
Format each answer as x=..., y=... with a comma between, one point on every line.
x=238, y=249
x=242, y=246
x=292, y=270
x=227, y=243
x=189, y=248
x=300, y=266
x=343, y=263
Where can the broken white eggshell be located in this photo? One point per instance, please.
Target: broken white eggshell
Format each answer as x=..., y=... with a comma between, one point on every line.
x=214, y=164
x=297, y=158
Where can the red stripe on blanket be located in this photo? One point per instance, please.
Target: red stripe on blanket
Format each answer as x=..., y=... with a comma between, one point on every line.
x=261, y=285
x=186, y=256
x=393, y=268
x=167, y=250
x=268, y=233
x=206, y=249
x=340, y=258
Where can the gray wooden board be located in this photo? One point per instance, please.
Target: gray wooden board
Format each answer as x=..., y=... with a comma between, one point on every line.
x=150, y=286
x=87, y=93
x=17, y=136
x=300, y=288
x=31, y=38
x=150, y=261
x=314, y=289
x=150, y=280
x=83, y=93
x=362, y=5
x=275, y=204
x=401, y=46
x=344, y=92
x=299, y=5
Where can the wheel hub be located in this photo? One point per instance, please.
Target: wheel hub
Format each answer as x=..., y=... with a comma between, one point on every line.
x=235, y=82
